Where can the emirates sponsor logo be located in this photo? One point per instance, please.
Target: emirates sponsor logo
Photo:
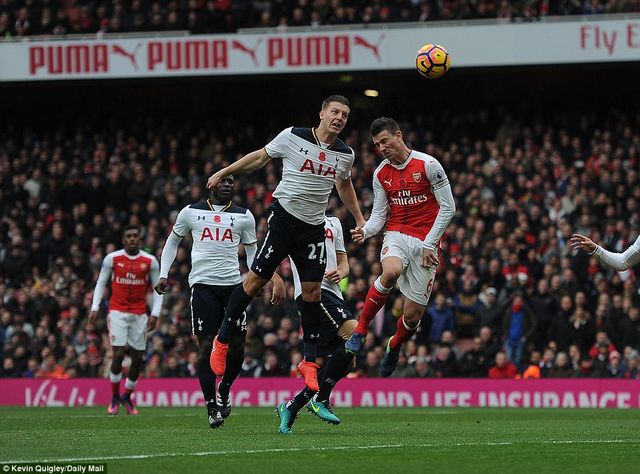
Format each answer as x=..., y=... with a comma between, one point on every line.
x=405, y=198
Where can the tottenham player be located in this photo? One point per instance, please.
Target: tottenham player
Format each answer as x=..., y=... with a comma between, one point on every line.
x=336, y=326
x=217, y=228
x=314, y=160
x=617, y=261
x=130, y=271
x=413, y=198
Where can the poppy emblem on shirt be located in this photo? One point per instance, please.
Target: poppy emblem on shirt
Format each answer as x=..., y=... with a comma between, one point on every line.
x=402, y=182
x=216, y=219
x=322, y=156
x=417, y=176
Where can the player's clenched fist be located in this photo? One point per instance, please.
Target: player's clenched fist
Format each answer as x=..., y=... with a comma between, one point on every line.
x=357, y=235
x=161, y=286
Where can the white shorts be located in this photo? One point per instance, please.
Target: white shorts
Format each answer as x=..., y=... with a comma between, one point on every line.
x=127, y=329
x=416, y=281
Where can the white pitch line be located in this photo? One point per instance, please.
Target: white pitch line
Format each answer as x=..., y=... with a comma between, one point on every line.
x=329, y=448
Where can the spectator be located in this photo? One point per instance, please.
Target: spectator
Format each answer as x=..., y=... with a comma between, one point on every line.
x=503, y=368
x=519, y=324
x=441, y=317
x=474, y=362
x=562, y=367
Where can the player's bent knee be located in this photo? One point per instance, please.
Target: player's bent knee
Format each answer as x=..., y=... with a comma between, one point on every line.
x=311, y=293
x=346, y=329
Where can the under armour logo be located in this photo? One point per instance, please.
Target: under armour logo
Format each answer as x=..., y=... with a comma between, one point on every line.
x=202, y=218
x=302, y=150
x=258, y=269
x=232, y=219
x=269, y=252
x=200, y=321
x=314, y=336
x=322, y=261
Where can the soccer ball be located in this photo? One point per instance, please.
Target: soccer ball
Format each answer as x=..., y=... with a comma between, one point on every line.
x=432, y=61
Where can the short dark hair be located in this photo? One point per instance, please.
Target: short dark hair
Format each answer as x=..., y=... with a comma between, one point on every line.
x=335, y=98
x=384, y=123
x=130, y=227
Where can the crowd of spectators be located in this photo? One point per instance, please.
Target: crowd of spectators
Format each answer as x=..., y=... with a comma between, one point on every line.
x=510, y=299
x=60, y=17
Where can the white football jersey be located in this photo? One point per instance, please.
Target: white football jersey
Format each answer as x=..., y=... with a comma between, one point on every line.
x=309, y=170
x=333, y=242
x=216, y=231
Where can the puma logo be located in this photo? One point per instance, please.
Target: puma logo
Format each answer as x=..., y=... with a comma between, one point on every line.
x=117, y=49
x=375, y=48
x=388, y=183
x=235, y=44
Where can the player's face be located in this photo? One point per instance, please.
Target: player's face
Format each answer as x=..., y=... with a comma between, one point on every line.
x=225, y=189
x=334, y=117
x=391, y=146
x=131, y=240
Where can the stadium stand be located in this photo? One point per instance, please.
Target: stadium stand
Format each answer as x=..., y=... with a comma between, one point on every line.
x=61, y=17
x=523, y=183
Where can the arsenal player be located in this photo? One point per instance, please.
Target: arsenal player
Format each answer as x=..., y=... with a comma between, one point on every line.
x=130, y=271
x=413, y=200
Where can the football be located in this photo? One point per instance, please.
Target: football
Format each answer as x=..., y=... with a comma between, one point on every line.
x=433, y=61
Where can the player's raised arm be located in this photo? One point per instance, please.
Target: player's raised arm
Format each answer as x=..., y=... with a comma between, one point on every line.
x=379, y=212
x=250, y=162
x=348, y=196
x=442, y=192
x=617, y=261
x=98, y=292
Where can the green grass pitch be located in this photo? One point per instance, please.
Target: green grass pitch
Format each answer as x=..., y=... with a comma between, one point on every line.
x=369, y=440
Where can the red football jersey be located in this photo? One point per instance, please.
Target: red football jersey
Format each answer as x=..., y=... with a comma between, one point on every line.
x=412, y=205
x=130, y=281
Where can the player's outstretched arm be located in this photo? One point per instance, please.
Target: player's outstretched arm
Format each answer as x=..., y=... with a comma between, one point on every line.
x=378, y=217
x=442, y=192
x=617, y=261
x=169, y=252
x=348, y=196
x=250, y=162
x=103, y=278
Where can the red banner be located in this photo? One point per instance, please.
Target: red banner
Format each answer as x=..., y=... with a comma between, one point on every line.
x=265, y=392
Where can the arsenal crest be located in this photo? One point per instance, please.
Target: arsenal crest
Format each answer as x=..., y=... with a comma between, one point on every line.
x=417, y=176
x=143, y=266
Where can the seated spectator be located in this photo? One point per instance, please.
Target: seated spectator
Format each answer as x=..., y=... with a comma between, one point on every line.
x=616, y=367
x=562, y=367
x=474, y=362
x=503, y=368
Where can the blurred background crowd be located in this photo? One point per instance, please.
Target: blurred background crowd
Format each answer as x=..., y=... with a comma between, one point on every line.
x=60, y=17
x=510, y=300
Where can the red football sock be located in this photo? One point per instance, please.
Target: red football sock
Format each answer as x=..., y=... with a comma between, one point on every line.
x=374, y=301
x=402, y=334
x=115, y=388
